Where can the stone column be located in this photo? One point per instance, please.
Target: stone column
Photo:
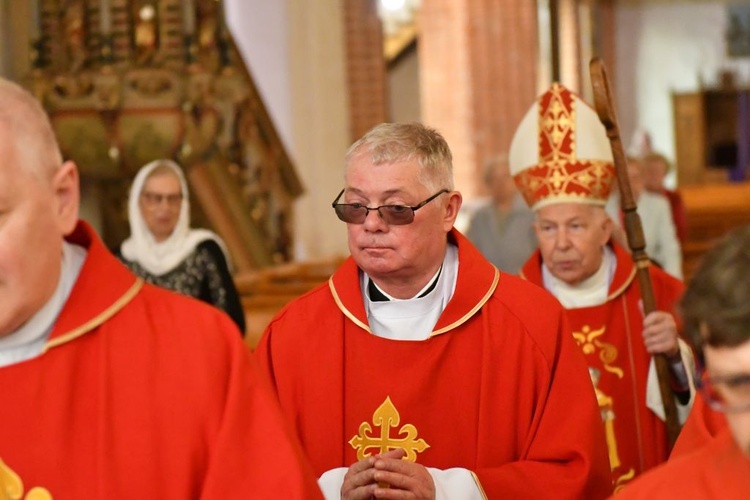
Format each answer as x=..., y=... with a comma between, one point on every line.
x=478, y=64
x=365, y=66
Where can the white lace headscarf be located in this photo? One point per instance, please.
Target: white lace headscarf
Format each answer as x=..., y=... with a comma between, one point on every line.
x=160, y=258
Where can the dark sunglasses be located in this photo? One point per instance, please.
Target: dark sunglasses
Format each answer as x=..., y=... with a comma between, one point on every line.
x=394, y=215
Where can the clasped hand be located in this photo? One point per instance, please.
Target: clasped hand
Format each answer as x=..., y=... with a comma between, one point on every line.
x=387, y=476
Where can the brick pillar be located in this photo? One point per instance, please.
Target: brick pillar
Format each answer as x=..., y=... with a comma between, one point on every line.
x=365, y=66
x=478, y=77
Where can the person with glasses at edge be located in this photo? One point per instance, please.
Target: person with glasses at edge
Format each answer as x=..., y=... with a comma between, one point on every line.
x=163, y=249
x=417, y=348
x=716, y=312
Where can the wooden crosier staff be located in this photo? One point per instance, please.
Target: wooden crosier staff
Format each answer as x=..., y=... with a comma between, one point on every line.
x=606, y=110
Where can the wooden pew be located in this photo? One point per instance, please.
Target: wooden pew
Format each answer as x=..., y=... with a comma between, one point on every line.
x=711, y=210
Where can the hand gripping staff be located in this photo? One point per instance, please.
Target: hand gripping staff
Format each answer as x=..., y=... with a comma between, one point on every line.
x=606, y=110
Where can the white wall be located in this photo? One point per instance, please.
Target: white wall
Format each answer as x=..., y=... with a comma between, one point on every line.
x=664, y=47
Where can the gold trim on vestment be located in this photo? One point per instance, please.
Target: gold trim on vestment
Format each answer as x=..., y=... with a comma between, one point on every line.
x=479, y=485
x=346, y=311
x=97, y=320
x=473, y=310
x=11, y=486
x=620, y=290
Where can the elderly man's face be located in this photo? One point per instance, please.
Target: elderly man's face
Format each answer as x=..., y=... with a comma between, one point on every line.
x=731, y=363
x=571, y=237
x=393, y=254
x=35, y=215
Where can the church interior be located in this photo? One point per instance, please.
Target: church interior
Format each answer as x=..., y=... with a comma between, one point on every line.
x=259, y=100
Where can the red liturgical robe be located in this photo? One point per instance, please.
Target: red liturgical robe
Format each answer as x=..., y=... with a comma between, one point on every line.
x=499, y=388
x=719, y=470
x=610, y=337
x=701, y=427
x=142, y=393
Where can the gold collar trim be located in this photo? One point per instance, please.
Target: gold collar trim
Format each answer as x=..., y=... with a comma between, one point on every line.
x=479, y=485
x=343, y=308
x=473, y=310
x=622, y=288
x=97, y=320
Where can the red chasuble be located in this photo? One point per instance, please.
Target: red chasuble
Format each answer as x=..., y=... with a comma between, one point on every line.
x=142, y=393
x=499, y=388
x=701, y=427
x=719, y=470
x=610, y=337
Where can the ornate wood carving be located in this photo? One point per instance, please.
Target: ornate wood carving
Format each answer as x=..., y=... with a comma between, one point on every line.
x=129, y=81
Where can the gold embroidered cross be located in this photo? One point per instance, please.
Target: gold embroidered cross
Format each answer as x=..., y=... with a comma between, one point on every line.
x=387, y=417
x=11, y=486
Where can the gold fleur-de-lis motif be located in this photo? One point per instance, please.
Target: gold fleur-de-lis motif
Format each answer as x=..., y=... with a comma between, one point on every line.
x=387, y=417
x=11, y=487
x=587, y=339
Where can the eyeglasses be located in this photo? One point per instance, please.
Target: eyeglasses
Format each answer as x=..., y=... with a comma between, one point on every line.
x=395, y=215
x=729, y=394
x=155, y=199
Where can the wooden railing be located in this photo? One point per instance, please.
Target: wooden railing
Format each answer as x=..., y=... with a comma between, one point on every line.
x=265, y=292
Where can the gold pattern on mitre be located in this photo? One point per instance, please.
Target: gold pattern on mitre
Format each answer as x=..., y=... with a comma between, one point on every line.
x=387, y=417
x=11, y=486
x=560, y=152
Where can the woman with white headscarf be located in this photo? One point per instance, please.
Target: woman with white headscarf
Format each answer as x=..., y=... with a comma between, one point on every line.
x=162, y=248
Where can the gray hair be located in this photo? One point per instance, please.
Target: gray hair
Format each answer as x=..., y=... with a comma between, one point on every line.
x=28, y=125
x=396, y=142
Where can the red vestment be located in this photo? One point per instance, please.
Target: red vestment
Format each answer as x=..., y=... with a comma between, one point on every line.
x=701, y=427
x=610, y=337
x=143, y=393
x=678, y=213
x=499, y=388
x=719, y=470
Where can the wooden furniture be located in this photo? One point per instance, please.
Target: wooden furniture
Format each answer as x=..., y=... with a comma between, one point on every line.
x=264, y=293
x=711, y=211
x=707, y=125
x=129, y=81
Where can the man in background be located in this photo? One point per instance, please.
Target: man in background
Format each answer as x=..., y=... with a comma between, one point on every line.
x=112, y=388
x=654, y=168
x=659, y=231
x=561, y=159
x=502, y=228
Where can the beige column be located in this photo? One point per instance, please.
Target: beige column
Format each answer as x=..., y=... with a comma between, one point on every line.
x=320, y=127
x=478, y=64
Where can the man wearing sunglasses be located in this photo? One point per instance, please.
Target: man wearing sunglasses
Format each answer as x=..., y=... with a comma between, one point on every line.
x=717, y=318
x=419, y=349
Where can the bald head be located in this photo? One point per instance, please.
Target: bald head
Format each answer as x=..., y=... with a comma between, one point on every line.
x=25, y=124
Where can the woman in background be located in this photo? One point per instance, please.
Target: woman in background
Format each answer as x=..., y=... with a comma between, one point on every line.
x=162, y=248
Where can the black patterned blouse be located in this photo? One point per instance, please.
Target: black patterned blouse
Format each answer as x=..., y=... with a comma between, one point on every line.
x=204, y=275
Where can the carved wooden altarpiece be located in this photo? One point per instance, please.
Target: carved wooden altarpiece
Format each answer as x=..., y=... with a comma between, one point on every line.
x=129, y=81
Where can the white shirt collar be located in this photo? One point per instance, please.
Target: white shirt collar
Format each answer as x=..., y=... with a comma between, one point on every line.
x=413, y=319
x=28, y=341
x=592, y=291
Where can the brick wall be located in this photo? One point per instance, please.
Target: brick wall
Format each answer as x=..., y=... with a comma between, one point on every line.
x=478, y=62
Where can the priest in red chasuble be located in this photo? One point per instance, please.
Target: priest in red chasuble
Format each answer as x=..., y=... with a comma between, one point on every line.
x=419, y=368
x=111, y=388
x=561, y=160
x=717, y=320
